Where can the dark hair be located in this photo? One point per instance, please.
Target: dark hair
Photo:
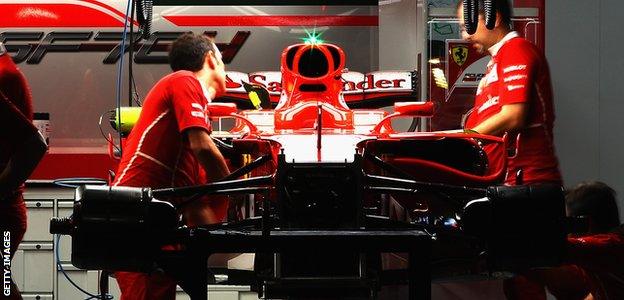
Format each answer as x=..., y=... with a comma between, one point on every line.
x=597, y=201
x=502, y=7
x=189, y=50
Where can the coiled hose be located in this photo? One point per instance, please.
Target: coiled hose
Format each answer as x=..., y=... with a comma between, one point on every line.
x=145, y=9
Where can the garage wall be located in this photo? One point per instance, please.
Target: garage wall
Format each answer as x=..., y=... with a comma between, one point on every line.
x=399, y=36
x=585, y=49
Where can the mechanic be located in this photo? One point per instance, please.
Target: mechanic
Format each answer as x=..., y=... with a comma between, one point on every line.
x=594, y=266
x=600, y=252
x=169, y=143
x=22, y=149
x=514, y=97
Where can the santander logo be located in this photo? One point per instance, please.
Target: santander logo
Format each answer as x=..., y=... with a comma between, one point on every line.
x=354, y=83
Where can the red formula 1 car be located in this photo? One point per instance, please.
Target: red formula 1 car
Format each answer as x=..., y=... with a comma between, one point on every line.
x=328, y=189
x=313, y=122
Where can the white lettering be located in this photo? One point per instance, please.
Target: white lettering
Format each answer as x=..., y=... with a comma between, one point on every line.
x=487, y=104
x=6, y=258
x=374, y=82
x=514, y=87
x=514, y=68
x=515, y=77
x=6, y=283
x=198, y=114
x=6, y=251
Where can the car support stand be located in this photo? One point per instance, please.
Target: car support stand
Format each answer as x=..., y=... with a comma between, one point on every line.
x=190, y=270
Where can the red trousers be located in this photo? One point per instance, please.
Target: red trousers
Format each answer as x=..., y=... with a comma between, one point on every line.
x=13, y=221
x=139, y=286
x=564, y=282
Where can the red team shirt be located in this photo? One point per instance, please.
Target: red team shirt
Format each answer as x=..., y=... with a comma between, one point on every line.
x=14, y=87
x=17, y=105
x=15, y=126
x=156, y=154
x=518, y=73
x=15, y=93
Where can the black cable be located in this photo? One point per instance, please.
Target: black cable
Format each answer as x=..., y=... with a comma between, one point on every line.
x=108, y=297
x=74, y=183
x=130, y=55
x=120, y=71
x=102, y=131
x=60, y=267
x=133, y=91
x=136, y=93
x=414, y=125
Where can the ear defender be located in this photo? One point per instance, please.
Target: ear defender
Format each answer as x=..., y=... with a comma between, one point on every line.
x=471, y=16
x=490, y=14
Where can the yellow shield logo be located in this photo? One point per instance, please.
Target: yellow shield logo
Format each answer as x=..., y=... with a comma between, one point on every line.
x=460, y=54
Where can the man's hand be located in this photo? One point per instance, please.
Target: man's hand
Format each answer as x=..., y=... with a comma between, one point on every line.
x=22, y=163
x=206, y=212
x=511, y=117
x=470, y=131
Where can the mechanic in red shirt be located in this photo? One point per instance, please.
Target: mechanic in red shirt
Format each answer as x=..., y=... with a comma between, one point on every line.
x=515, y=97
x=594, y=265
x=22, y=147
x=599, y=252
x=601, y=258
x=171, y=142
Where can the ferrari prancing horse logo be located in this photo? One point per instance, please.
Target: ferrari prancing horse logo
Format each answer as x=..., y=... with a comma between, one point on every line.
x=460, y=54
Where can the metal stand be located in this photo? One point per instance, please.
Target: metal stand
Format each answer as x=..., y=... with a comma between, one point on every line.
x=189, y=266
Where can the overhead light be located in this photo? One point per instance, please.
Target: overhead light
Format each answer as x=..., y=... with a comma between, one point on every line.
x=313, y=38
x=434, y=61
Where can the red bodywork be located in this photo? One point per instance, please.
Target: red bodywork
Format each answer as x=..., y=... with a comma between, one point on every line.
x=313, y=123
x=306, y=87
